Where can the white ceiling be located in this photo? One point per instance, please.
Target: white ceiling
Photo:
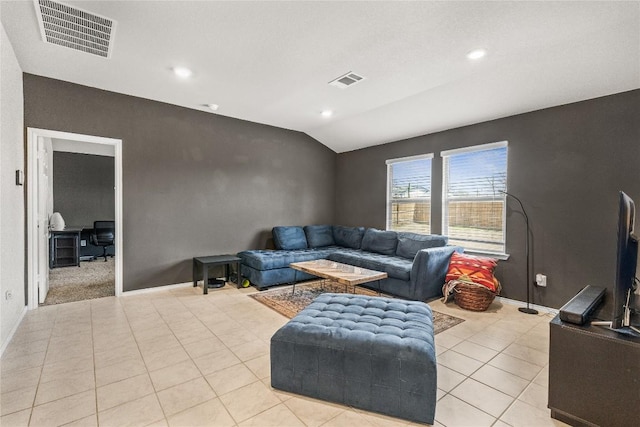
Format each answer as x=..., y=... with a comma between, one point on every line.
x=270, y=62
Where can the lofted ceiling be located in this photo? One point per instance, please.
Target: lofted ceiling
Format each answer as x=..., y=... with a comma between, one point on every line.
x=270, y=62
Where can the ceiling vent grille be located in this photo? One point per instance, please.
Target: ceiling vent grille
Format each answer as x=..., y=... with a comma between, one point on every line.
x=75, y=28
x=346, y=80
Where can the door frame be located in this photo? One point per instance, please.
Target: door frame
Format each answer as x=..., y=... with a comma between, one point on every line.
x=32, y=214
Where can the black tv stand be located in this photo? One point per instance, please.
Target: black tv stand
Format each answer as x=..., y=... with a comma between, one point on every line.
x=594, y=375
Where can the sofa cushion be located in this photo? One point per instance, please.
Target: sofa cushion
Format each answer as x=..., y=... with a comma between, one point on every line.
x=269, y=260
x=382, y=242
x=348, y=237
x=396, y=267
x=319, y=235
x=410, y=243
x=289, y=238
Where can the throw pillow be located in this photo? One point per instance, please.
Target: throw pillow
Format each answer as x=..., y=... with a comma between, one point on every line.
x=289, y=238
x=348, y=237
x=319, y=235
x=382, y=242
x=476, y=269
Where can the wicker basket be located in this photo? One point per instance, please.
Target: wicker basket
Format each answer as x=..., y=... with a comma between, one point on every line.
x=473, y=297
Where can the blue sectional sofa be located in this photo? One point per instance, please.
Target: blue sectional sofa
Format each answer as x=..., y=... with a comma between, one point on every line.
x=416, y=264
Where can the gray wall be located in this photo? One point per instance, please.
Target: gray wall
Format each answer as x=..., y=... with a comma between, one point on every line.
x=83, y=188
x=566, y=164
x=195, y=183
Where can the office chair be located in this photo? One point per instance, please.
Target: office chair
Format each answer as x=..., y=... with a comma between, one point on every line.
x=103, y=235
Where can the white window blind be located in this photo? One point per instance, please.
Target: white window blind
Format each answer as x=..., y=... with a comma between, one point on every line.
x=409, y=194
x=473, y=203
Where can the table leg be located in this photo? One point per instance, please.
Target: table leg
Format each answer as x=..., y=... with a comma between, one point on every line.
x=205, y=279
x=295, y=279
x=194, y=274
x=238, y=278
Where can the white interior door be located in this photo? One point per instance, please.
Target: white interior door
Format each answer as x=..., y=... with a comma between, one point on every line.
x=44, y=209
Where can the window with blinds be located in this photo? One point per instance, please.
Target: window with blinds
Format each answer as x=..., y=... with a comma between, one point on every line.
x=409, y=194
x=473, y=200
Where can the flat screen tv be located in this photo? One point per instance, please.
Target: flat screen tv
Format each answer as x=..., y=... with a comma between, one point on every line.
x=626, y=262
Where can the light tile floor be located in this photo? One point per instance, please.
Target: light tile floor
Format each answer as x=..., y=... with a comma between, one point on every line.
x=180, y=358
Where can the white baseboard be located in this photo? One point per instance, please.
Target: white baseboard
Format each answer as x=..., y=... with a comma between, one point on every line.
x=524, y=304
x=5, y=344
x=156, y=289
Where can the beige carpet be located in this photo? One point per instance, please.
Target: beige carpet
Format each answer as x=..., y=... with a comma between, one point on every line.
x=282, y=300
x=91, y=280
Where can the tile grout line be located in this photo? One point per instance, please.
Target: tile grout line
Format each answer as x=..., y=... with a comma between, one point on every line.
x=34, y=406
x=33, y=403
x=202, y=375
x=467, y=377
x=514, y=399
x=242, y=363
x=93, y=358
x=146, y=368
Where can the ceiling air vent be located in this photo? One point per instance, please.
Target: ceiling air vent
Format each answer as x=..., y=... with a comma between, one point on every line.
x=347, y=80
x=75, y=28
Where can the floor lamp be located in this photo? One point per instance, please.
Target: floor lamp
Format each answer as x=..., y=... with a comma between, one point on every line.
x=527, y=309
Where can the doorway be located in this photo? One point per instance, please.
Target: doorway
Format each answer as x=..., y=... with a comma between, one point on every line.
x=39, y=159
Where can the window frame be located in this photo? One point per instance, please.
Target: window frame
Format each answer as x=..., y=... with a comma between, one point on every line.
x=390, y=163
x=445, y=199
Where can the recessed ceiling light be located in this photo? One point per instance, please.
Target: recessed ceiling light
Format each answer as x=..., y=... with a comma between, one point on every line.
x=182, y=72
x=327, y=113
x=476, y=54
x=213, y=107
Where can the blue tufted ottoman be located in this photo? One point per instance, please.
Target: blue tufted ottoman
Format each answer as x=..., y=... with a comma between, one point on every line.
x=371, y=353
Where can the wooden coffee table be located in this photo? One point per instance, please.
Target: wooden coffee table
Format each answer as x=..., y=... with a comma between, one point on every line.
x=348, y=275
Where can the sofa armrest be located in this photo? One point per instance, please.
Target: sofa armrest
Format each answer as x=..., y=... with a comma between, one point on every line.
x=429, y=271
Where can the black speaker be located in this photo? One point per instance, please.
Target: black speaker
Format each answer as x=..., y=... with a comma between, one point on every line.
x=579, y=308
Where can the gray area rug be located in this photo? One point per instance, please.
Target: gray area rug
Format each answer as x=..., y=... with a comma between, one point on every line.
x=91, y=280
x=282, y=300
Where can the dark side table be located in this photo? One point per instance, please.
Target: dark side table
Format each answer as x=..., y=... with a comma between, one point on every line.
x=64, y=248
x=205, y=262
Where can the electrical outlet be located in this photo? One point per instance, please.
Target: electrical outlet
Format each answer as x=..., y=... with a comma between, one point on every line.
x=83, y=243
x=541, y=280
x=8, y=295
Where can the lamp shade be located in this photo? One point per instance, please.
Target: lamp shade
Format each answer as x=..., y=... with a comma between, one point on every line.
x=56, y=222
